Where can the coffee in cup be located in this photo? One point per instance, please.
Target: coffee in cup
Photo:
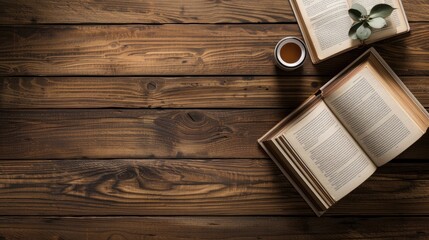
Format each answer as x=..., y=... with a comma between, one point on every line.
x=290, y=53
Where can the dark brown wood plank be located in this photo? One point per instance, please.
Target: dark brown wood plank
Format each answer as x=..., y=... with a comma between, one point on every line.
x=107, y=133
x=193, y=187
x=146, y=11
x=172, y=11
x=180, y=50
x=173, y=92
x=128, y=228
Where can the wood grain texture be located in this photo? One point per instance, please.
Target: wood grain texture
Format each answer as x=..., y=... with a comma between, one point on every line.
x=153, y=11
x=180, y=50
x=160, y=228
x=193, y=187
x=192, y=170
x=146, y=11
x=149, y=133
x=170, y=92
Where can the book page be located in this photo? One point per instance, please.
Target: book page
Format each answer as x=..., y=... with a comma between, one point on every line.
x=396, y=22
x=329, y=151
x=328, y=24
x=375, y=119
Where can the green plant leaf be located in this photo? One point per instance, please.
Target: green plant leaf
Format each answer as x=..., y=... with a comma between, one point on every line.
x=381, y=10
x=360, y=8
x=363, y=32
x=378, y=22
x=355, y=14
x=353, y=29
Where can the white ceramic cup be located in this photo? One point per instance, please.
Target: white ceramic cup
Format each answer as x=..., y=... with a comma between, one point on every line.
x=285, y=65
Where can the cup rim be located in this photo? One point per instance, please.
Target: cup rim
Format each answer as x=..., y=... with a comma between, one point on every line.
x=298, y=42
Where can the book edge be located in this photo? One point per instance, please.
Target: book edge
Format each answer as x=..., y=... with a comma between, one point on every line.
x=369, y=51
x=286, y=174
x=311, y=52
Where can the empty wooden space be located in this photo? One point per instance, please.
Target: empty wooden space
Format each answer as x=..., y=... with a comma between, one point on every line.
x=139, y=120
x=179, y=49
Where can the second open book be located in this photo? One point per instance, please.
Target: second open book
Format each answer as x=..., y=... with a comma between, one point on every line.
x=325, y=25
x=358, y=121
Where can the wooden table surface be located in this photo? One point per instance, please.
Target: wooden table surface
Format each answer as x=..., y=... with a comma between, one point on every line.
x=138, y=119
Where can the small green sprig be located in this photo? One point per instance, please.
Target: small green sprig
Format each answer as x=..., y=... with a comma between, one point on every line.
x=364, y=22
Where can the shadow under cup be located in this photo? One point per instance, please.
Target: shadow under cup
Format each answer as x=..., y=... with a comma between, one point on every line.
x=290, y=53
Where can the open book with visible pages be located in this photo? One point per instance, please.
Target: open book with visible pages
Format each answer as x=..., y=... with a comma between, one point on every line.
x=358, y=121
x=325, y=25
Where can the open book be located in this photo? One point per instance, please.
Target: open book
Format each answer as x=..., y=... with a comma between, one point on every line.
x=361, y=119
x=325, y=25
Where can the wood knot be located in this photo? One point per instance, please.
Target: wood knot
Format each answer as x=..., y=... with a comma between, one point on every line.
x=114, y=45
x=128, y=174
x=195, y=116
x=151, y=86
